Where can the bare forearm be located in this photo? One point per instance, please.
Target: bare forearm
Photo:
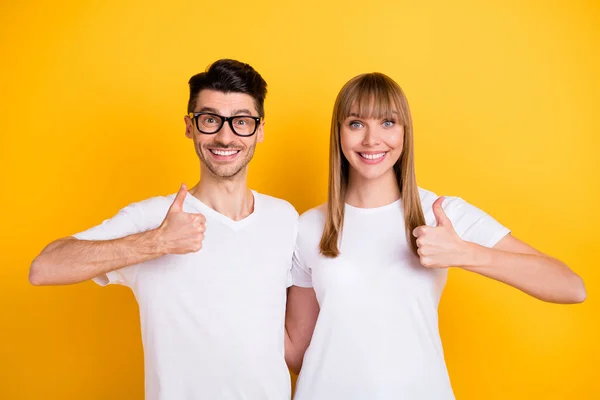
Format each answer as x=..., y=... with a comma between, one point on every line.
x=301, y=316
x=538, y=275
x=293, y=357
x=70, y=260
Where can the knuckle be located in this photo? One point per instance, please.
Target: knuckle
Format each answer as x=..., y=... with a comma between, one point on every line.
x=420, y=231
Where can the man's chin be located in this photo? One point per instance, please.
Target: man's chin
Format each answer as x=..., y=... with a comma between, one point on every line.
x=228, y=175
x=225, y=171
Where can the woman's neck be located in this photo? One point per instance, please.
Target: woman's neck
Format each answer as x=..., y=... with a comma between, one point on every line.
x=372, y=193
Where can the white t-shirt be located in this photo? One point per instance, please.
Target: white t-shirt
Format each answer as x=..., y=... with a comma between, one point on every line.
x=212, y=321
x=377, y=336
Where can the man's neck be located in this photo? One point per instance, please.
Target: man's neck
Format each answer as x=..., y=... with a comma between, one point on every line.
x=230, y=197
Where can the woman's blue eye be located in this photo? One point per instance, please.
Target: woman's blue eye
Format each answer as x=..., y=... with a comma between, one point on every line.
x=388, y=123
x=356, y=124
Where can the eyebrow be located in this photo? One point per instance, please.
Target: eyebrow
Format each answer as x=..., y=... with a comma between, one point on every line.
x=243, y=111
x=209, y=110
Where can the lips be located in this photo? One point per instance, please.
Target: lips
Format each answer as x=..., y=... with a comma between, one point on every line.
x=372, y=157
x=224, y=154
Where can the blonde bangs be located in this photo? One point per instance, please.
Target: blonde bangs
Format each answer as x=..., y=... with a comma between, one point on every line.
x=372, y=96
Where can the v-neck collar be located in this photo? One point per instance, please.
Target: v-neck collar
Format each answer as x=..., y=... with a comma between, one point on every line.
x=234, y=225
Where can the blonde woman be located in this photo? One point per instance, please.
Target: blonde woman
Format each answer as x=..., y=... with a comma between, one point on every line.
x=370, y=265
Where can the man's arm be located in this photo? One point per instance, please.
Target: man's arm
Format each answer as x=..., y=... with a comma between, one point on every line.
x=69, y=260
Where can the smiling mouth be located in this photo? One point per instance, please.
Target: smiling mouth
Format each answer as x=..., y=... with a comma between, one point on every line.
x=372, y=156
x=223, y=153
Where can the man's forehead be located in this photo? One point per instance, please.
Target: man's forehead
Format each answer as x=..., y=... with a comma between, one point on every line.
x=224, y=102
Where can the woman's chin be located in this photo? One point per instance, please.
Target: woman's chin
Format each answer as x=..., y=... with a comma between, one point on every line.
x=372, y=173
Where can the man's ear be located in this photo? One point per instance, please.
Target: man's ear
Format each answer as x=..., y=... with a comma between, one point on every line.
x=189, y=127
x=261, y=132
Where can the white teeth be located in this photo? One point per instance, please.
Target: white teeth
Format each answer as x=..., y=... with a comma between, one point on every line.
x=224, y=153
x=372, y=156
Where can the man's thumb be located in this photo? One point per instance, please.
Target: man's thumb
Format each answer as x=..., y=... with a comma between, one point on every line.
x=178, y=203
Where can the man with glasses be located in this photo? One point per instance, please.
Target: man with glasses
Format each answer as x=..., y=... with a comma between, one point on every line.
x=209, y=267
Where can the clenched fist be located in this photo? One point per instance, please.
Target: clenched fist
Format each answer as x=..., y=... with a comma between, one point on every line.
x=181, y=232
x=439, y=246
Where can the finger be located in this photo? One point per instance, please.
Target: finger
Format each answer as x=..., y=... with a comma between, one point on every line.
x=426, y=262
x=177, y=205
x=440, y=216
x=201, y=218
x=418, y=231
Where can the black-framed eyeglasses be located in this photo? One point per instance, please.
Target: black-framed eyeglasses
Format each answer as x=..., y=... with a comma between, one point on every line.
x=241, y=125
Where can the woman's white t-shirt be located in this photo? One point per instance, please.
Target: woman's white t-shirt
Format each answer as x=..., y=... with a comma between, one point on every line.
x=377, y=336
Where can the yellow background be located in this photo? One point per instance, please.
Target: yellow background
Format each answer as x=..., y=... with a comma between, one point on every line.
x=504, y=96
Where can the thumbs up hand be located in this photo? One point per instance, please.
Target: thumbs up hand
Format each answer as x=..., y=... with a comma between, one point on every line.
x=439, y=246
x=181, y=232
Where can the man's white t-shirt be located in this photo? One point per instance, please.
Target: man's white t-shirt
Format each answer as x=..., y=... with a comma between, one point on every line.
x=212, y=321
x=377, y=334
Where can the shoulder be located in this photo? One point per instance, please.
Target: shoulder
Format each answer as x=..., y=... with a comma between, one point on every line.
x=146, y=213
x=310, y=230
x=314, y=216
x=453, y=206
x=450, y=202
x=277, y=205
x=153, y=205
x=312, y=222
x=427, y=198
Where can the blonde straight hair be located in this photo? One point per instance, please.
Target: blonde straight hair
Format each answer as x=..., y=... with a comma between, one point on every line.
x=377, y=96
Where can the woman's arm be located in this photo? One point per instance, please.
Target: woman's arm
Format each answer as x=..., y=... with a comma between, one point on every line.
x=510, y=261
x=517, y=264
x=300, y=319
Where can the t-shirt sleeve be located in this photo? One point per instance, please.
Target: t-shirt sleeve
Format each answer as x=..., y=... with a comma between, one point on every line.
x=290, y=280
x=121, y=225
x=473, y=224
x=301, y=275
